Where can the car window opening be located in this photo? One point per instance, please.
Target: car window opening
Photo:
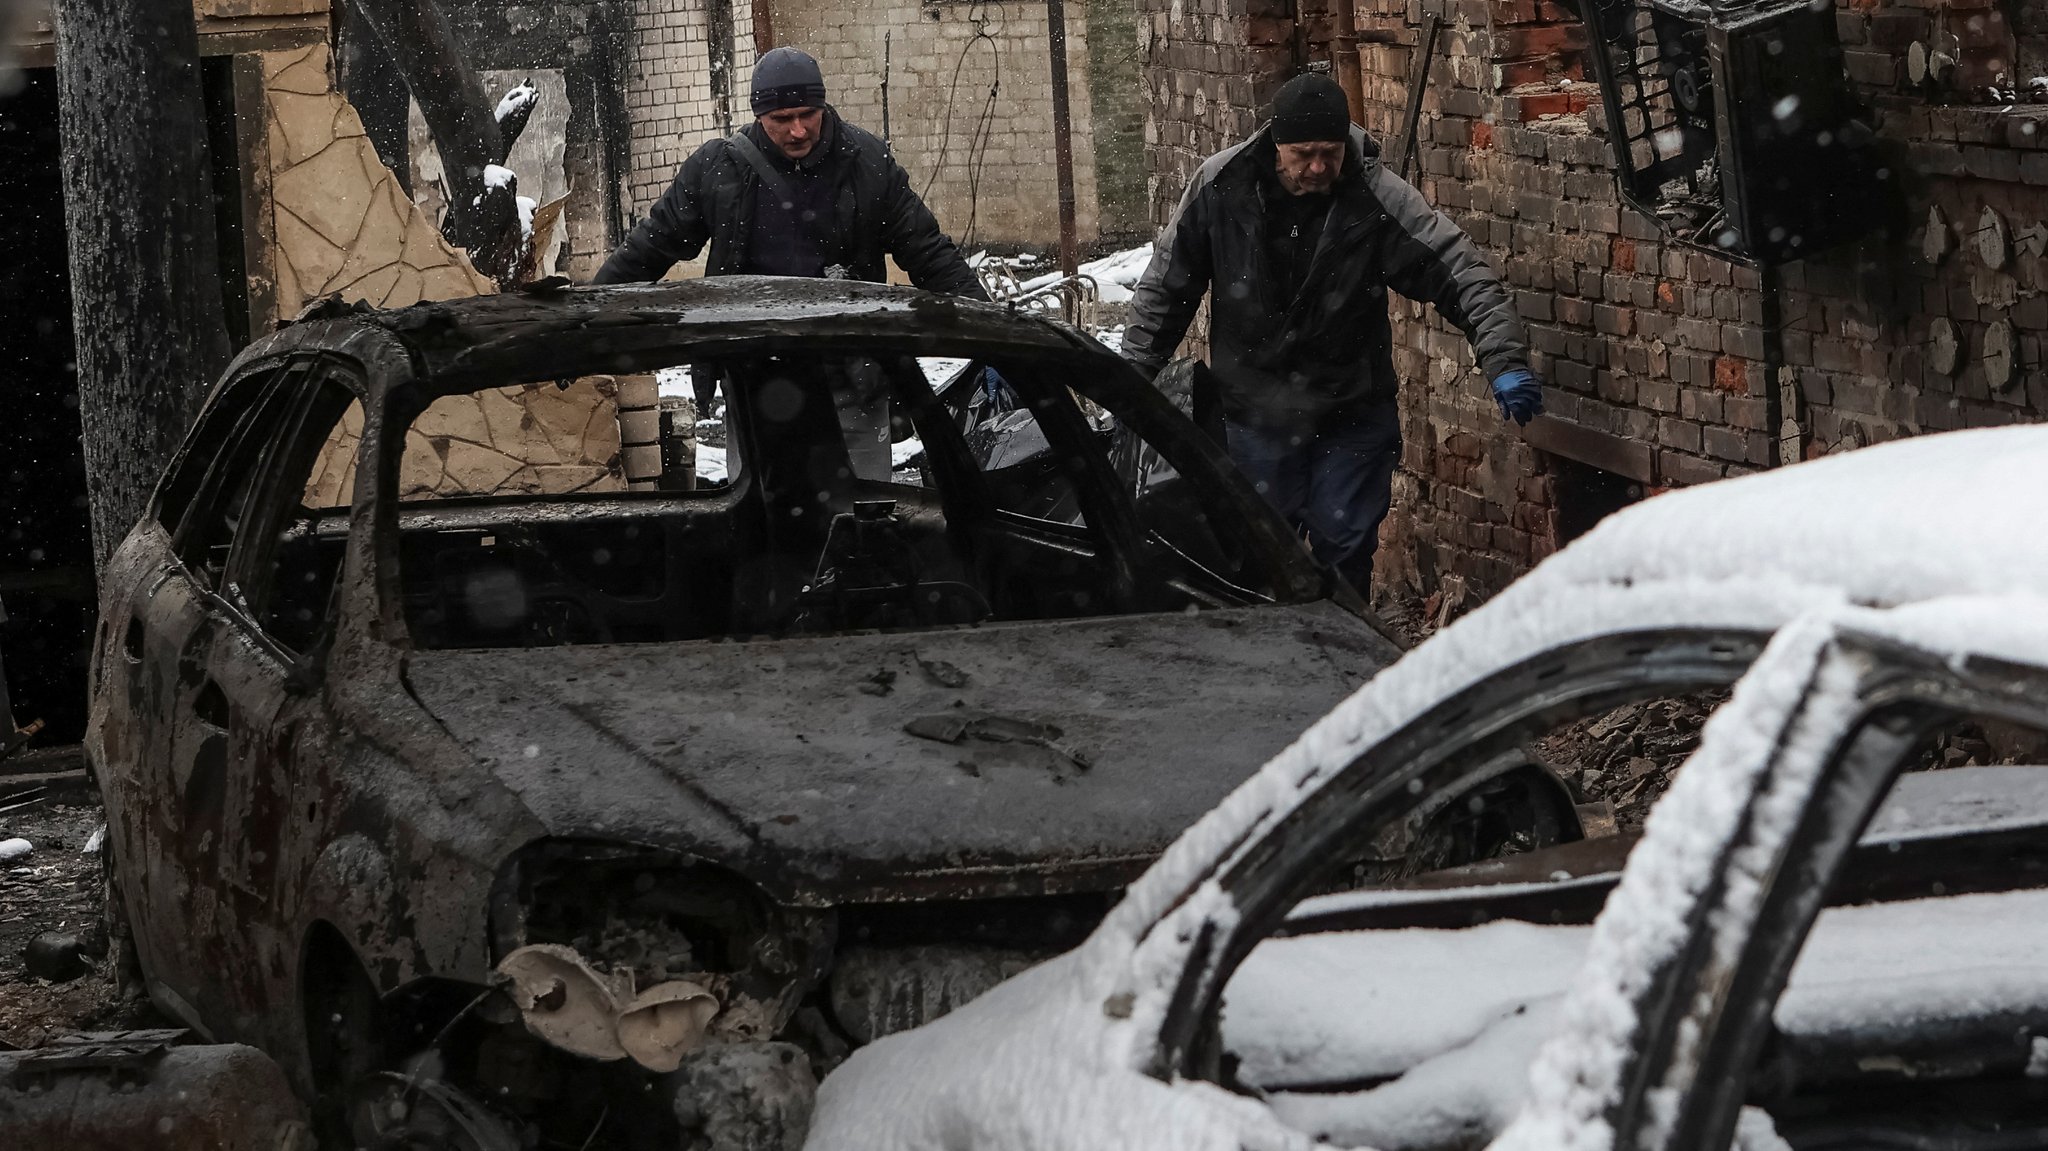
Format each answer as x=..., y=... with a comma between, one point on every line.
x=830, y=493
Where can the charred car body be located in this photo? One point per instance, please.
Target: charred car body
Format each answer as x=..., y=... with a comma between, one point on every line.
x=569, y=818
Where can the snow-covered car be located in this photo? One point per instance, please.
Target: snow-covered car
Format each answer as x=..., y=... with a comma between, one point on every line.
x=455, y=774
x=1779, y=961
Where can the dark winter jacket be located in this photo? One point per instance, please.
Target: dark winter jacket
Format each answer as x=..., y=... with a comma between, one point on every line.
x=876, y=214
x=1327, y=351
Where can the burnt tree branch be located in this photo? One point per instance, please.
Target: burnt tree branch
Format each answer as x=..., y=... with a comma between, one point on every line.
x=482, y=216
x=151, y=331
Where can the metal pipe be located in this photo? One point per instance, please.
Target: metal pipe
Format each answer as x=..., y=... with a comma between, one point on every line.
x=1344, y=59
x=1062, y=133
x=1418, y=83
x=885, y=87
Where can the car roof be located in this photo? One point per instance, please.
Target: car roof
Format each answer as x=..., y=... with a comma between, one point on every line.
x=526, y=335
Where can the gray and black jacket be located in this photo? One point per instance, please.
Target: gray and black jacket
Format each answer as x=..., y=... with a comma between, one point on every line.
x=876, y=214
x=1327, y=352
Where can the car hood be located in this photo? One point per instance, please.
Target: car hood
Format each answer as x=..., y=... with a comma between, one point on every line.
x=1053, y=756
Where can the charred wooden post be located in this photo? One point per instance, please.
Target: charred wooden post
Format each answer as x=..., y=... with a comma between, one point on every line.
x=150, y=327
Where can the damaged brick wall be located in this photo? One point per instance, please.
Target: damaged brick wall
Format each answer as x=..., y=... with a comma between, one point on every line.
x=1211, y=67
x=1656, y=353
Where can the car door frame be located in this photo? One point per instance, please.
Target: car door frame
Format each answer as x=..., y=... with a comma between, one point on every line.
x=1704, y=1021
x=236, y=717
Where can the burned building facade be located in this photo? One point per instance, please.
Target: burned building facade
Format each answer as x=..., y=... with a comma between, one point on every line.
x=1670, y=360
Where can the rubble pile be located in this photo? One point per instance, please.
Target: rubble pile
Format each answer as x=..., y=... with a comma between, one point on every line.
x=54, y=973
x=1627, y=756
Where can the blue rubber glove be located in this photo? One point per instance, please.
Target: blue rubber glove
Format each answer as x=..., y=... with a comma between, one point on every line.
x=1519, y=395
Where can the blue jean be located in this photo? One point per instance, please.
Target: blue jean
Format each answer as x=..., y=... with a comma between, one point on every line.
x=1334, y=484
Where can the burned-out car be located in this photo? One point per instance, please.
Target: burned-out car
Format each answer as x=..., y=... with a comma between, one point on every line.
x=1815, y=943
x=567, y=816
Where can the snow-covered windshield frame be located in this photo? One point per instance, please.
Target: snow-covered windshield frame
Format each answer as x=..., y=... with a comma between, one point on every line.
x=1704, y=1019
x=1261, y=880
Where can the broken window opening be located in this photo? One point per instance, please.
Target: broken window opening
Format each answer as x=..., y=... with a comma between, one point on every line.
x=856, y=499
x=1733, y=126
x=1585, y=495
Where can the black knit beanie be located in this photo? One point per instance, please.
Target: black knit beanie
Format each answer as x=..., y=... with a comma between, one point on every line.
x=787, y=78
x=1310, y=107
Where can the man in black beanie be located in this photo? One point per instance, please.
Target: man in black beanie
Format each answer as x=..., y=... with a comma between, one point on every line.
x=1296, y=235
x=799, y=192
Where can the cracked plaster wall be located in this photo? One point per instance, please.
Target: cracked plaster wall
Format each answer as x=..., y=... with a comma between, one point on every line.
x=340, y=224
x=538, y=440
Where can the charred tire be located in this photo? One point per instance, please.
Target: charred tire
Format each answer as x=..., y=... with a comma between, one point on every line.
x=343, y=1027
x=123, y=957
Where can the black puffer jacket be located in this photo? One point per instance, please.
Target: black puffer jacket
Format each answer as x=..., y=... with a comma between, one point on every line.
x=1283, y=363
x=712, y=200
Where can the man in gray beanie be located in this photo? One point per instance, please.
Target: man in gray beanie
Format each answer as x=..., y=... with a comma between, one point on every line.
x=840, y=204
x=1296, y=235
x=799, y=192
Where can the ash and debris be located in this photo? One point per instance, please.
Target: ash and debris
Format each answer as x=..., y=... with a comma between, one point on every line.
x=1628, y=755
x=56, y=893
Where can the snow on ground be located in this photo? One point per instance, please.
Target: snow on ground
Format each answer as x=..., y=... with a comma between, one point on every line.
x=711, y=463
x=1114, y=275
x=675, y=382
x=940, y=370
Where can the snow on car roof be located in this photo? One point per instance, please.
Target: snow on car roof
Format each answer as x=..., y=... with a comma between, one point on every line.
x=1934, y=516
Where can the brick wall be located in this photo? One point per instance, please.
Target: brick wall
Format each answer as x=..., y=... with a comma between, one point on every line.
x=672, y=103
x=1211, y=67
x=943, y=56
x=1658, y=356
x=1117, y=93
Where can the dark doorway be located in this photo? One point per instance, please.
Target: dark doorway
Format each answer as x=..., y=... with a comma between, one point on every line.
x=1586, y=495
x=46, y=581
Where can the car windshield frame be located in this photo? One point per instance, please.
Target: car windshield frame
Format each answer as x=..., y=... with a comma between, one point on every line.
x=1081, y=368
x=1721, y=1012
x=1436, y=751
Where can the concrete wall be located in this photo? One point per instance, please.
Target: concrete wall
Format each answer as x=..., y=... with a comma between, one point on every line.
x=987, y=174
